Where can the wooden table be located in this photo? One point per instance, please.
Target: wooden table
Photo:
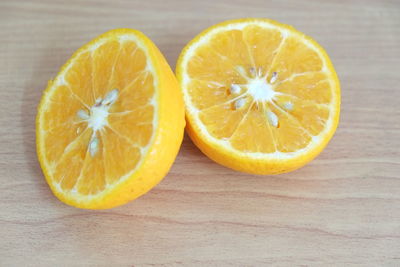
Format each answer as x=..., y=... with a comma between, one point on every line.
x=342, y=209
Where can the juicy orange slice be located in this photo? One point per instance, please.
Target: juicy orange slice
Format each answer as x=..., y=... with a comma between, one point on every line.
x=260, y=96
x=110, y=124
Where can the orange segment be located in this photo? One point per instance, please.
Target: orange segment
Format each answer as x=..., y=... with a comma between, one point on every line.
x=260, y=96
x=222, y=120
x=205, y=94
x=202, y=67
x=79, y=78
x=137, y=94
x=103, y=62
x=92, y=177
x=130, y=62
x=307, y=113
x=60, y=119
x=120, y=154
x=289, y=134
x=262, y=52
x=136, y=125
x=110, y=125
x=313, y=87
x=69, y=167
x=231, y=48
x=295, y=57
x=253, y=124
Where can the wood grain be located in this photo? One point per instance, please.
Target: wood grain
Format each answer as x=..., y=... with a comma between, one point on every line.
x=343, y=209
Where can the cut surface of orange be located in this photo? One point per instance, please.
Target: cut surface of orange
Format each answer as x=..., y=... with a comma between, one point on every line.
x=110, y=125
x=260, y=96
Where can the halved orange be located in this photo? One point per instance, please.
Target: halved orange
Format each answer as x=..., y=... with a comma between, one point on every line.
x=110, y=125
x=260, y=96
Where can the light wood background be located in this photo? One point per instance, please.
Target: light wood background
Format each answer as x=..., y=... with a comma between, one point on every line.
x=343, y=209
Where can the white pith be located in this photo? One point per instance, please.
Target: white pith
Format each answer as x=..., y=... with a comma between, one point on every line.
x=260, y=90
x=98, y=117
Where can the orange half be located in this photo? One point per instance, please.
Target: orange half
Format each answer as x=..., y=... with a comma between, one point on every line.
x=110, y=124
x=260, y=96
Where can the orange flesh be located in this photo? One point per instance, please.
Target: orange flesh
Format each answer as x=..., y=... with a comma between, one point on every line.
x=113, y=65
x=228, y=58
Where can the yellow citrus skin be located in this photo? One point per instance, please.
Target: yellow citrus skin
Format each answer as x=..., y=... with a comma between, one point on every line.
x=232, y=158
x=164, y=144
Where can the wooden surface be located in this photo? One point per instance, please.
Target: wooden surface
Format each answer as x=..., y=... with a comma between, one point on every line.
x=342, y=209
